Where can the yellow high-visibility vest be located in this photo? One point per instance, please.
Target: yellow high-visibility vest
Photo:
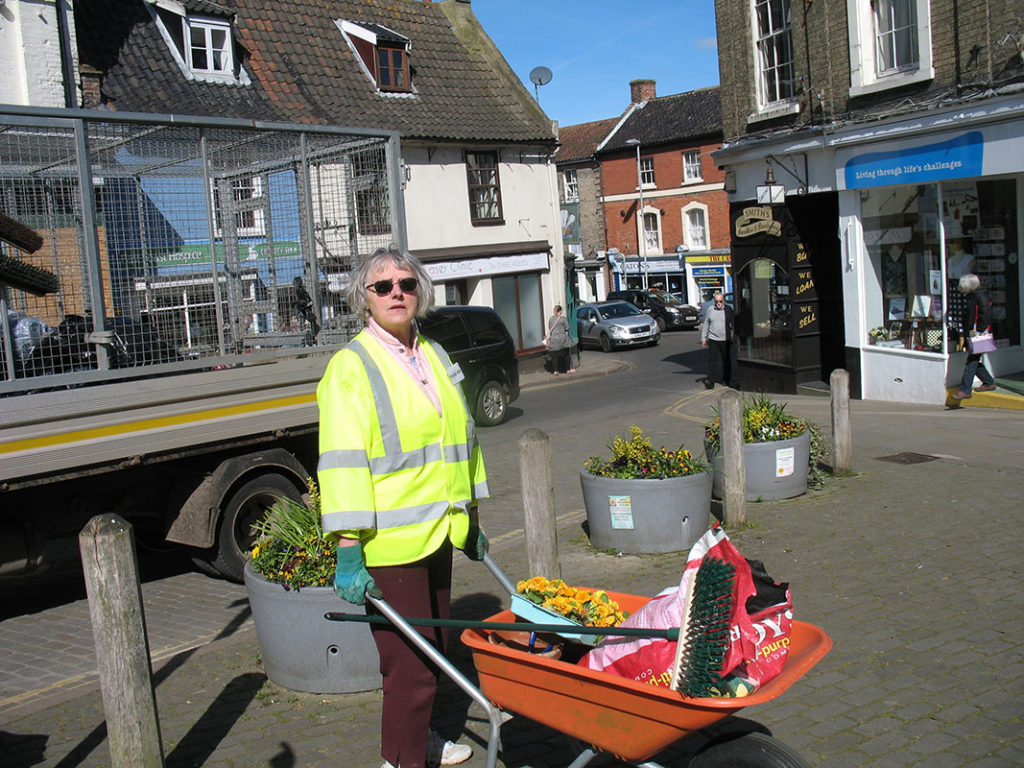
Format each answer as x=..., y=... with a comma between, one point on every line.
x=393, y=472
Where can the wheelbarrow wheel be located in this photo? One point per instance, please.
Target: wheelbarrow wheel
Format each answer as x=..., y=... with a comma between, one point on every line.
x=751, y=750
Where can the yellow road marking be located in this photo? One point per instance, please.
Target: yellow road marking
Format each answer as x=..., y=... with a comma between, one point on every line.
x=112, y=430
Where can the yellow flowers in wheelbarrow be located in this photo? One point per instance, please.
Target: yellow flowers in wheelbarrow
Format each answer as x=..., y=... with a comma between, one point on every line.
x=588, y=607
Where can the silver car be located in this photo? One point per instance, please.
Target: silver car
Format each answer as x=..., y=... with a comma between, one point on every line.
x=612, y=324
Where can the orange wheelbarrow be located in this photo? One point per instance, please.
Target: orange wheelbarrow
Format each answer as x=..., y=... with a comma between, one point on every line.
x=610, y=714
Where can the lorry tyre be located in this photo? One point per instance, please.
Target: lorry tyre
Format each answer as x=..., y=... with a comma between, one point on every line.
x=245, y=506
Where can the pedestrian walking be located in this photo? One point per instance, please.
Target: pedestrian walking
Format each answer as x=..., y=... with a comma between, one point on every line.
x=976, y=317
x=401, y=475
x=716, y=334
x=558, y=342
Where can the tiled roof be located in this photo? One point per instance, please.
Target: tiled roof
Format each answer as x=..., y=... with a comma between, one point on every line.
x=302, y=70
x=578, y=142
x=681, y=117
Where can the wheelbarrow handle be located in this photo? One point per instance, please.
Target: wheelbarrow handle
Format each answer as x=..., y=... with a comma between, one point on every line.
x=389, y=614
x=503, y=580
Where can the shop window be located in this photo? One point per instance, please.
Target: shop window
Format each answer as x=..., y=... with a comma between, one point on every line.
x=904, y=296
x=517, y=300
x=773, y=52
x=484, y=188
x=764, y=313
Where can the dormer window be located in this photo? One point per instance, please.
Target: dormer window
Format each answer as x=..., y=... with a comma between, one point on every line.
x=202, y=46
x=209, y=49
x=382, y=53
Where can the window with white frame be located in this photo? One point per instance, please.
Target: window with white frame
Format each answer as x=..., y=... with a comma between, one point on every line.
x=652, y=232
x=570, y=186
x=890, y=44
x=209, y=50
x=691, y=166
x=773, y=51
x=695, y=226
x=647, y=171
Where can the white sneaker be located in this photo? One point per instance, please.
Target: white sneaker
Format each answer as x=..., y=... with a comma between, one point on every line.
x=443, y=752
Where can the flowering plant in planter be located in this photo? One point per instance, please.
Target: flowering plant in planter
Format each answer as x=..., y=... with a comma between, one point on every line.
x=637, y=459
x=291, y=548
x=765, y=421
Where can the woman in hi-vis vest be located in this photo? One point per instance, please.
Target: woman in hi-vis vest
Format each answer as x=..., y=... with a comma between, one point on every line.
x=400, y=475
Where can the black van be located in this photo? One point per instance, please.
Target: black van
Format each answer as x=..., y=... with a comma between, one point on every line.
x=667, y=311
x=476, y=339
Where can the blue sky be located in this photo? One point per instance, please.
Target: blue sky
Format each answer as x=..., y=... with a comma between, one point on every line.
x=595, y=48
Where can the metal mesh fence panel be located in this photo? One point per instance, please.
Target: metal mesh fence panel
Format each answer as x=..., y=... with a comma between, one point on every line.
x=178, y=242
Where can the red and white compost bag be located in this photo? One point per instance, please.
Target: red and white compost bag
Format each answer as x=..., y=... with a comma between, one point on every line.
x=761, y=623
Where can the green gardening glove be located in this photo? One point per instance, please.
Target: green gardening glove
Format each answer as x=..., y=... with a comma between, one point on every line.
x=476, y=543
x=352, y=582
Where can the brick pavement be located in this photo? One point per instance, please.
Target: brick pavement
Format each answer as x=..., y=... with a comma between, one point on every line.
x=913, y=569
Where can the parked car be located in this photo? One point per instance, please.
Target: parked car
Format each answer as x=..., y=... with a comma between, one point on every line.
x=613, y=324
x=667, y=310
x=477, y=339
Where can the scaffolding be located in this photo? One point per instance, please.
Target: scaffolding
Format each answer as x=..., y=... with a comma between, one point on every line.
x=182, y=239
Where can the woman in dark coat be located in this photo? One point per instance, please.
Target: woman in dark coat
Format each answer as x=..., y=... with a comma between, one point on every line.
x=977, y=316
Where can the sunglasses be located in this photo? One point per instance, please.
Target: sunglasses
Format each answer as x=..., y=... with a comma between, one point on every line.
x=384, y=287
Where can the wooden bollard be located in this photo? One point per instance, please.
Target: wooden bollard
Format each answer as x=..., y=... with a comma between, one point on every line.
x=734, y=466
x=842, y=439
x=122, y=650
x=539, y=504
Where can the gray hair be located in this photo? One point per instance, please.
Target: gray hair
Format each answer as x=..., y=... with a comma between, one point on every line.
x=969, y=283
x=355, y=293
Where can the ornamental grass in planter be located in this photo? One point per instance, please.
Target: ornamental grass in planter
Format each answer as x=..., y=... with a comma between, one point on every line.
x=646, y=499
x=783, y=453
x=289, y=579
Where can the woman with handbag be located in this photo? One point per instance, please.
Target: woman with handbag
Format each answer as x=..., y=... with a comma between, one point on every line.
x=977, y=318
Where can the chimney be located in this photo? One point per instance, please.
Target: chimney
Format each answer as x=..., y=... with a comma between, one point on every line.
x=641, y=90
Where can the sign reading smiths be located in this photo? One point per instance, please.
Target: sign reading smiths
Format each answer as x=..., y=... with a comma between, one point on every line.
x=755, y=220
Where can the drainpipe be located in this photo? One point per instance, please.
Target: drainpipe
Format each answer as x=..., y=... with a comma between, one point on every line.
x=67, y=60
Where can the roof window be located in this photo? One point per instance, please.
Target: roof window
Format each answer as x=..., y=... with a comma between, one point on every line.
x=382, y=53
x=202, y=46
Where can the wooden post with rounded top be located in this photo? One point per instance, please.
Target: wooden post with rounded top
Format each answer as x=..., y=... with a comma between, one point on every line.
x=122, y=649
x=539, y=504
x=734, y=468
x=842, y=437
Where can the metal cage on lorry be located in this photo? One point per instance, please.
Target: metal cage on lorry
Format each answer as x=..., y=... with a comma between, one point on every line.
x=184, y=242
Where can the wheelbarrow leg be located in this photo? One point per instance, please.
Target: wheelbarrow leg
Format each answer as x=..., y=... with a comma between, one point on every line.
x=493, y=715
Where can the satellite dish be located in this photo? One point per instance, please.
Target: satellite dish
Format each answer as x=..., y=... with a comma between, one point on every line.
x=539, y=76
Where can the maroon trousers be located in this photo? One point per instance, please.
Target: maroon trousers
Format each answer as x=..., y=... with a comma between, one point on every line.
x=419, y=590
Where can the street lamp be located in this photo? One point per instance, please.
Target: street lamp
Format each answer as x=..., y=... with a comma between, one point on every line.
x=641, y=235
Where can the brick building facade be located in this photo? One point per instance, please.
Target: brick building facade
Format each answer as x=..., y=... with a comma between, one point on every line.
x=892, y=132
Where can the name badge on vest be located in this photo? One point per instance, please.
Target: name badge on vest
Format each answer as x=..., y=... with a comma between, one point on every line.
x=455, y=373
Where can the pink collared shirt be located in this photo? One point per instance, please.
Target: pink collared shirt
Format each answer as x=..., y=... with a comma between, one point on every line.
x=413, y=361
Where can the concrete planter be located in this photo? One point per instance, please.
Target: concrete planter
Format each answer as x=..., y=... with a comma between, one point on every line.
x=642, y=516
x=301, y=649
x=775, y=470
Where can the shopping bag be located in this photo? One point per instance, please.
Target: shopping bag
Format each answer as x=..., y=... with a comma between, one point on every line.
x=760, y=626
x=981, y=342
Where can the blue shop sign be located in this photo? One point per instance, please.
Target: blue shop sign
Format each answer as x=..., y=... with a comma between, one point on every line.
x=956, y=158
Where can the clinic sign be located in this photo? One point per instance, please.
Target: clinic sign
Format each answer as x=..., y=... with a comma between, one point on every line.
x=957, y=158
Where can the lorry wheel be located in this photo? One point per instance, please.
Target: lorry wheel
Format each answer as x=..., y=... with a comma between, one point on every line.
x=244, y=507
x=492, y=404
x=751, y=750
